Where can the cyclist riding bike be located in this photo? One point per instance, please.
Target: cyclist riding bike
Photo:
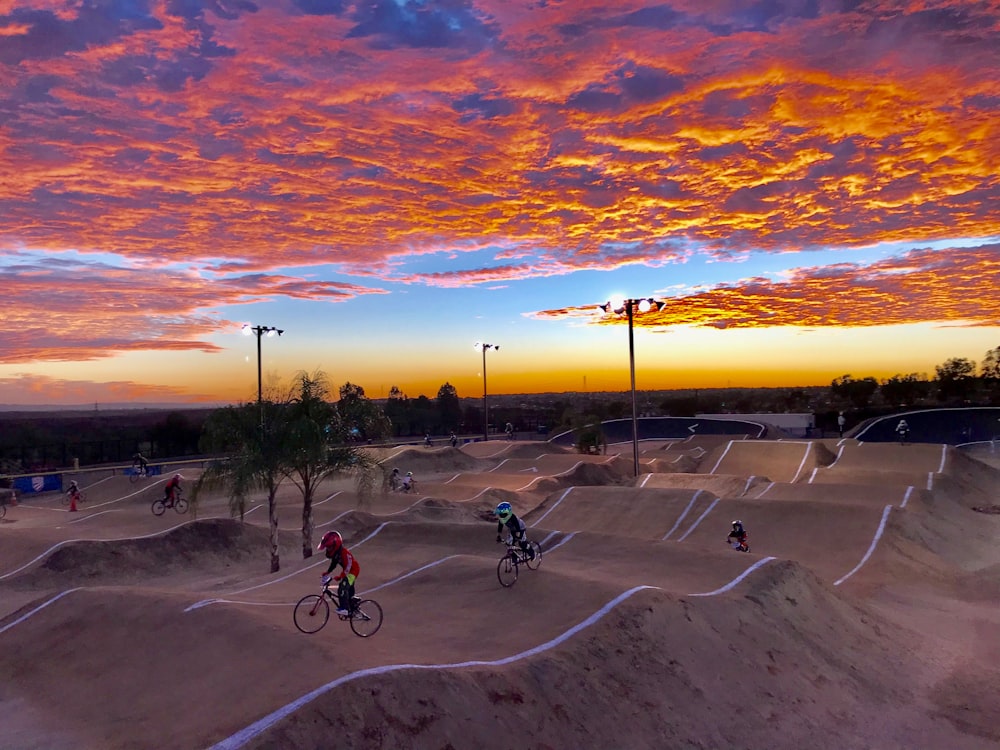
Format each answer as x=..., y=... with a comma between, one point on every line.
x=738, y=536
x=74, y=494
x=408, y=481
x=515, y=526
x=140, y=462
x=333, y=544
x=171, y=490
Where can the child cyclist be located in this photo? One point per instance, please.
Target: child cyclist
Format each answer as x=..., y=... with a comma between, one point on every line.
x=74, y=495
x=333, y=544
x=171, y=490
x=516, y=527
x=738, y=537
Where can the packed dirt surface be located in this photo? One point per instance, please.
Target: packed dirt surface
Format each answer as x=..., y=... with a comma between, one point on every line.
x=864, y=616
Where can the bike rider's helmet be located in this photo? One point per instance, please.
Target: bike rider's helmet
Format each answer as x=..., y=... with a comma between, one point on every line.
x=737, y=524
x=331, y=540
x=504, y=511
x=177, y=477
x=409, y=473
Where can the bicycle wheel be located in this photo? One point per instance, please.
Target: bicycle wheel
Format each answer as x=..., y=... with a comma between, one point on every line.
x=534, y=562
x=181, y=505
x=158, y=507
x=3, y=509
x=366, y=618
x=66, y=499
x=507, y=571
x=311, y=613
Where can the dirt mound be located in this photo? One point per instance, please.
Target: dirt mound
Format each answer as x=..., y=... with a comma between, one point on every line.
x=211, y=543
x=681, y=464
x=814, y=668
x=721, y=485
x=423, y=461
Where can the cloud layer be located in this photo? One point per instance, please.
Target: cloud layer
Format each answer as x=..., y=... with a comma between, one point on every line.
x=226, y=140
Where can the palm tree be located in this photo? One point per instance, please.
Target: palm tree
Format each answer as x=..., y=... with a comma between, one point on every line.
x=256, y=459
x=319, y=446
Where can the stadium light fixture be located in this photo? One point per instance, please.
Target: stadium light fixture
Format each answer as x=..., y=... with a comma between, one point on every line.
x=259, y=331
x=486, y=414
x=627, y=308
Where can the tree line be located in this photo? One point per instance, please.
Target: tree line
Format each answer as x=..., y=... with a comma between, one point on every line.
x=956, y=382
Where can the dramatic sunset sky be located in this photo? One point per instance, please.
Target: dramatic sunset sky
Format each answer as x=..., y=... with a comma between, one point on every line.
x=812, y=187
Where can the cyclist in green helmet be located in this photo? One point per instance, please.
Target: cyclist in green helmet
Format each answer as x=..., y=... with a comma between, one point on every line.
x=515, y=526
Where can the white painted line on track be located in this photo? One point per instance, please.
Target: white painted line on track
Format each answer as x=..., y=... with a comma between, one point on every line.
x=554, y=505
x=245, y=735
x=746, y=486
x=40, y=607
x=95, y=515
x=724, y=453
x=54, y=547
x=930, y=480
x=871, y=547
x=562, y=541
x=944, y=457
x=681, y=516
x=764, y=491
x=839, y=454
x=644, y=480
x=733, y=583
x=699, y=520
x=322, y=561
x=328, y=498
x=906, y=497
x=802, y=463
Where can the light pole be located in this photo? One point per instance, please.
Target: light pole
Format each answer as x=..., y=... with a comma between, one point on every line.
x=259, y=331
x=486, y=414
x=627, y=307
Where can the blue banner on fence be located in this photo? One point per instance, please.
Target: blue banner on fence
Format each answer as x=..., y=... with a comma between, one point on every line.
x=42, y=483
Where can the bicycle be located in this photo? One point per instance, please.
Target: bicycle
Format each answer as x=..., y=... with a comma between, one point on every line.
x=179, y=504
x=313, y=611
x=138, y=471
x=514, y=558
x=81, y=498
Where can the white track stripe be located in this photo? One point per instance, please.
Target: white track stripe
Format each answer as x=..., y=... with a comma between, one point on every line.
x=716, y=467
x=871, y=547
x=700, y=519
x=906, y=497
x=681, y=517
x=40, y=607
x=802, y=463
x=554, y=505
x=242, y=737
x=733, y=583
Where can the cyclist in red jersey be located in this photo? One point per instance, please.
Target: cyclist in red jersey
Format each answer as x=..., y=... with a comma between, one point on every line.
x=171, y=490
x=333, y=544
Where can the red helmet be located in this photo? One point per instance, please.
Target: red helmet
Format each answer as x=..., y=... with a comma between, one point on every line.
x=331, y=540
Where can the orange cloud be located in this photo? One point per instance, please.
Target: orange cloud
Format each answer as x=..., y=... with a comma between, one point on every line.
x=295, y=138
x=64, y=310
x=955, y=285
